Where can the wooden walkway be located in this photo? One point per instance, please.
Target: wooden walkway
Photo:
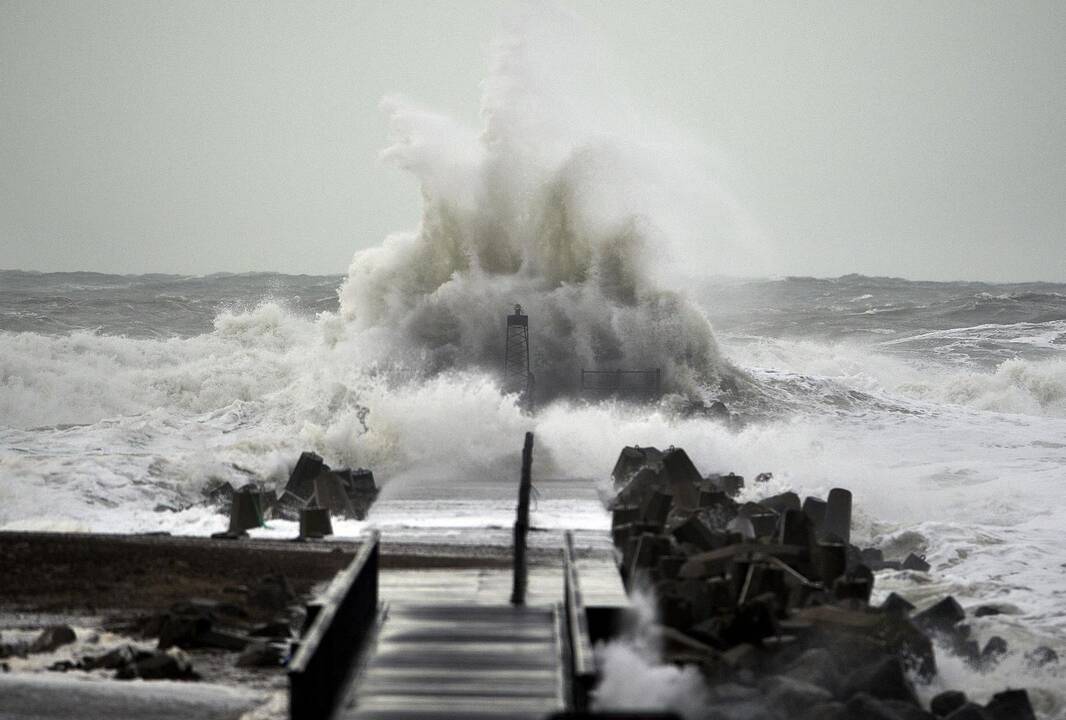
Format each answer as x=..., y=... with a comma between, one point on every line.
x=446, y=662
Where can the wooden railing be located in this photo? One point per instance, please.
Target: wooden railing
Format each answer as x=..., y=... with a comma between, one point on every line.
x=320, y=670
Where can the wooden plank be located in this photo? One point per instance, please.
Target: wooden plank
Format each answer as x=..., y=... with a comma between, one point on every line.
x=462, y=661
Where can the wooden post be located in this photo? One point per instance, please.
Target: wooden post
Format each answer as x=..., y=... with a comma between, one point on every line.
x=521, y=526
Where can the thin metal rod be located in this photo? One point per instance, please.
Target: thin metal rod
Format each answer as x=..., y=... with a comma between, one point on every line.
x=521, y=526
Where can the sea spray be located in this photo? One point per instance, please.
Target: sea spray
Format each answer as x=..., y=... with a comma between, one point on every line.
x=561, y=203
x=633, y=677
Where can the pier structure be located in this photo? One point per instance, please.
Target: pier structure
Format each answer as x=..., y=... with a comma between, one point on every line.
x=517, y=375
x=412, y=621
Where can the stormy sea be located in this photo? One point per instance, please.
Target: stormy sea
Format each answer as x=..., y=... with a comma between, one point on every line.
x=940, y=405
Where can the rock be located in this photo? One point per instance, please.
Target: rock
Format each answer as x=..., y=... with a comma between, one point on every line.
x=111, y=660
x=814, y=508
x=830, y=561
x=1010, y=705
x=764, y=525
x=780, y=503
x=731, y=484
x=796, y=529
x=272, y=592
x=331, y=493
x=656, y=508
x=947, y=702
x=897, y=604
x=752, y=621
x=695, y=532
x=278, y=628
x=218, y=492
x=884, y=679
x=52, y=638
x=838, y=515
x=302, y=478
x=872, y=556
x=906, y=711
x=640, y=487
x=826, y=711
x=791, y=696
x=19, y=648
x=263, y=654
x=941, y=617
x=856, y=584
x=817, y=667
x=632, y=459
x=62, y=666
x=743, y=656
x=863, y=706
x=170, y=665
x=968, y=711
x=682, y=477
x=1040, y=656
x=764, y=477
x=986, y=610
x=915, y=562
x=994, y=650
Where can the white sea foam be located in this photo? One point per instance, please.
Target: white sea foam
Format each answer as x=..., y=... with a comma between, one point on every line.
x=565, y=203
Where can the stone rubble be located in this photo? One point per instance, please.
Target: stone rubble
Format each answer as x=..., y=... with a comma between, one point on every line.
x=772, y=595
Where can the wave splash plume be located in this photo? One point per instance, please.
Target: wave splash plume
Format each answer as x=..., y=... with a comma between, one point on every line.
x=560, y=203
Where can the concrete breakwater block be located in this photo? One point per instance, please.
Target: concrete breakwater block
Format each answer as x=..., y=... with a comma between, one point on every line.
x=772, y=593
x=346, y=492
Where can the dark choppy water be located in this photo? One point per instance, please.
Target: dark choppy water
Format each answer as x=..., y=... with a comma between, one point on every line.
x=941, y=405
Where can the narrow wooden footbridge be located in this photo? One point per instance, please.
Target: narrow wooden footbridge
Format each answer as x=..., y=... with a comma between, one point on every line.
x=436, y=644
x=475, y=635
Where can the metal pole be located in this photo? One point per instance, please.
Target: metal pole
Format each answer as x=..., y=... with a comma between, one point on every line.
x=521, y=526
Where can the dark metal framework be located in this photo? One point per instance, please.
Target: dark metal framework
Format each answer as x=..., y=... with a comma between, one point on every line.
x=517, y=377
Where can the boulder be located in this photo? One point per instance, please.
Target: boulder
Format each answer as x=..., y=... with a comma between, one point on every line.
x=1010, y=705
x=632, y=459
x=111, y=660
x=640, y=487
x=837, y=522
x=941, y=617
x=790, y=696
x=731, y=484
x=263, y=654
x=170, y=665
x=780, y=503
x=905, y=711
x=885, y=679
x=695, y=532
x=816, y=666
x=969, y=711
x=1040, y=656
x=947, y=702
x=993, y=651
x=814, y=508
x=897, y=604
x=986, y=610
x=915, y=562
x=656, y=508
x=682, y=477
x=302, y=478
x=272, y=592
x=863, y=706
x=826, y=711
x=52, y=638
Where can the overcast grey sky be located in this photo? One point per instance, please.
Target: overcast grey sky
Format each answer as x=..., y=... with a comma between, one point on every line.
x=920, y=139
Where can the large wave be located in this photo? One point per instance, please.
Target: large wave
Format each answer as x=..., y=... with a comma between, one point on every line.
x=561, y=203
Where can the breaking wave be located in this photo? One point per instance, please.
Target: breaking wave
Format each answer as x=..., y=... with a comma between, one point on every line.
x=561, y=203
